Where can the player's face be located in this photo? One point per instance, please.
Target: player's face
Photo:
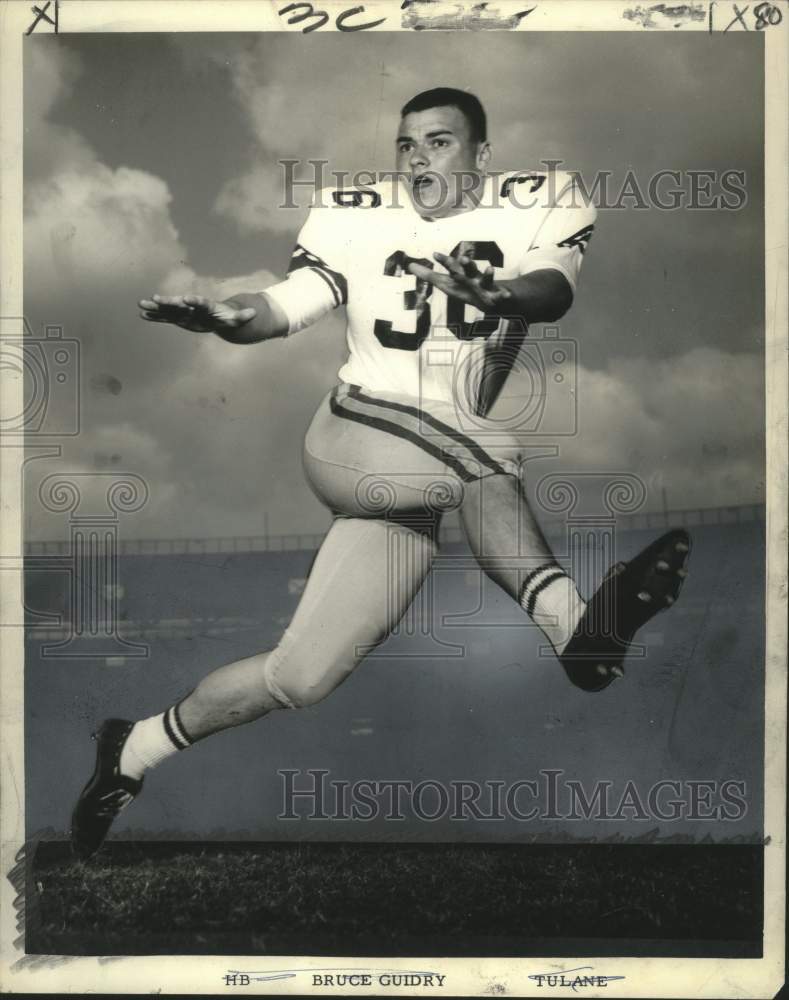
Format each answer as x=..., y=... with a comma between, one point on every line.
x=443, y=163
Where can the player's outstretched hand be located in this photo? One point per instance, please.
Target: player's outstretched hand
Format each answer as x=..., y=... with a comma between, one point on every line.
x=194, y=312
x=464, y=281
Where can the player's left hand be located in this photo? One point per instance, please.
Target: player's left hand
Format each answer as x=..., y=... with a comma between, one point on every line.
x=464, y=281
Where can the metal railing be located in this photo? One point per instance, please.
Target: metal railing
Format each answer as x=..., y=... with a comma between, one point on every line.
x=450, y=534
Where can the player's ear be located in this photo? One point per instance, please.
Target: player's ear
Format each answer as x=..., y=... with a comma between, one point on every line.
x=483, y=155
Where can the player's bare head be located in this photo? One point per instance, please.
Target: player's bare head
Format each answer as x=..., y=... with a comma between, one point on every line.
x=442, y=148
x=440, y=97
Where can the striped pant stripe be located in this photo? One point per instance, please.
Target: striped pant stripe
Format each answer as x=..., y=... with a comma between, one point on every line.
x=449, y=445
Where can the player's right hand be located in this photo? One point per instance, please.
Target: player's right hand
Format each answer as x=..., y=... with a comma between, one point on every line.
x=194, y=312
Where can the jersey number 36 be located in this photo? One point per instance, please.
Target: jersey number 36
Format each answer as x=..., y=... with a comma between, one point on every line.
x=418, y=299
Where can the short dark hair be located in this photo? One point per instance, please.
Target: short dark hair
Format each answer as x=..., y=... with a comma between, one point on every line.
x=466, y=103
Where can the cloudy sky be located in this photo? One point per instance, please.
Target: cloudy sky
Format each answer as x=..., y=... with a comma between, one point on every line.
x=151, y=165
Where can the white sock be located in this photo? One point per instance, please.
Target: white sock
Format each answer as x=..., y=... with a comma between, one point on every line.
x=551, y=600
x=152, y=741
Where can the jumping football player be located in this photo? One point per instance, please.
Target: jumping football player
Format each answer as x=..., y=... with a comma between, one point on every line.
x=441, y=270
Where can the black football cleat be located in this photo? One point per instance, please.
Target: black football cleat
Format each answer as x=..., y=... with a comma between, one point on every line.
x=630, y=594
x=106, y=794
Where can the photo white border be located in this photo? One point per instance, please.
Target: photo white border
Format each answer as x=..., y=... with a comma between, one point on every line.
x=650, y=977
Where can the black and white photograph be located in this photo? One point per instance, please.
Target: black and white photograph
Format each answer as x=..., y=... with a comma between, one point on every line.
x=394, y=498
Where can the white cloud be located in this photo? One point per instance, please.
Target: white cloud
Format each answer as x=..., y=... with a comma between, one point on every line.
x=106, y=454
x=254, y=201
x=95, y=226
x=687, y=423
x=203, y=422
x=289, y=123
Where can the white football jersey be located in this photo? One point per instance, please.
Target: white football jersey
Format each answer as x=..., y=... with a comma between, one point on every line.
x=405, y=336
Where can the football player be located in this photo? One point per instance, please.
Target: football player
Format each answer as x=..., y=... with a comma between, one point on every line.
x=441, y=268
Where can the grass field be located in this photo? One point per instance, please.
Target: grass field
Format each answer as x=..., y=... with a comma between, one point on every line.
x=388, y=899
